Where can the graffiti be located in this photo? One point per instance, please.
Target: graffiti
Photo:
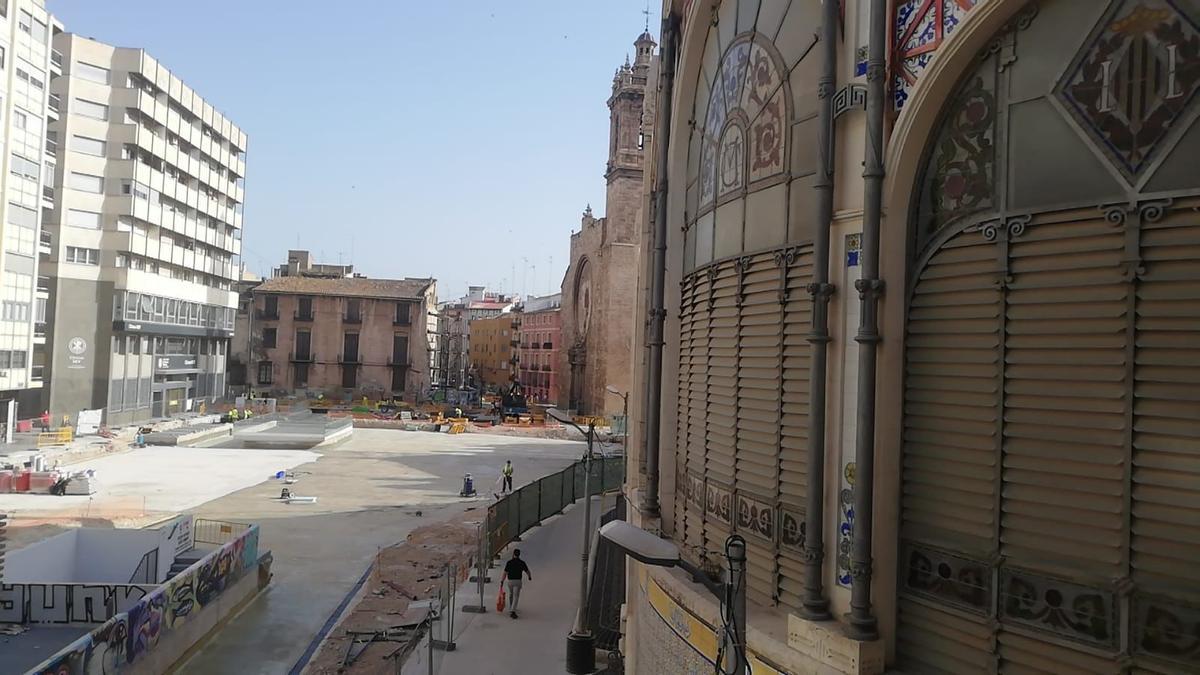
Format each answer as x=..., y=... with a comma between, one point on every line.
x=66, y=603
x=143, y=621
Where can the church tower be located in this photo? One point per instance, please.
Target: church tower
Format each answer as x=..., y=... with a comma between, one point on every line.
x=626, y=158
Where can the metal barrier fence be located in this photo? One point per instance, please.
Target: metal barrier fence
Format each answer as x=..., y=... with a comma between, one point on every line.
x=513, y=515
x=216, y=531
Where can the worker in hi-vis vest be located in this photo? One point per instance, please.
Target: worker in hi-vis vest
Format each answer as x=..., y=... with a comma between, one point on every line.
x=508, y=473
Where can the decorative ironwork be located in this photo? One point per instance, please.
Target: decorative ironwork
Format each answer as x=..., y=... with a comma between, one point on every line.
x=718, y=502
x=1059, y=607
x=1150, y=211
x=742, y=265
x=949, y=578
x=1135, y=76
x=784, y=258
x=921, y=26
x=755, y=516
x=849, y=97
x=791, y=529
x=1166, y=629
x=711, y=273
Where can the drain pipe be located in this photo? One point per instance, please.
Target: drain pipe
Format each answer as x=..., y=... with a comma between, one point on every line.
x=658, y=312
x=863, y=625
x=814, y=604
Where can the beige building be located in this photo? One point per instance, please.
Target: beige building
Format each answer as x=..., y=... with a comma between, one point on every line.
x=494, y=349
x=341, y=337
x=27, y=108
x=598, y=289
x=144, y=237
x=932, y=336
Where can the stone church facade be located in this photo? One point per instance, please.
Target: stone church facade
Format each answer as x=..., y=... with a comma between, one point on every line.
x=600, y=286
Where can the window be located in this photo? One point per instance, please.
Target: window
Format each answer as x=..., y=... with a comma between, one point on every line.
x=80, y=218
x=399, y=349
x=22, y=216
x=264, y=372
x=303, y=345
x=349, y=376
x=268, y=338
x=305, y=311
x=83, y=256
x=399, y=378
x=350, y=348
x=14, y=311
x=86, y=182
x=24, y=167
x=25, y=22
x=271, y=306
x=19, y=240
x=88, y=146
x=13, y=358
x=87, y=71
x=353, y=309
x=402, y=313
x=301, y=379
x=20, y=119
x=91, y=109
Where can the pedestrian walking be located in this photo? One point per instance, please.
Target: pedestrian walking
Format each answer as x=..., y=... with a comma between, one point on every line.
x=507, y=471
x=513, y=569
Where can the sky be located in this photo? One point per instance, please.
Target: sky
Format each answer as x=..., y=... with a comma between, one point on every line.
x=458, y=140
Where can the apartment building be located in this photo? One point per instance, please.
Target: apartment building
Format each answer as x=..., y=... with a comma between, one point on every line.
x=145, y=237
x=493, y=349
x=540, y=340
x=28, y=63
x=341, y=337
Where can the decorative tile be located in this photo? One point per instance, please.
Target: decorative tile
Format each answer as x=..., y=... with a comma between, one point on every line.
x=1167, y=629
x=921, y=26
x=755, y=516
x=950, y=578
x=1062, y=608
x=718, y=503
x=1136, y=74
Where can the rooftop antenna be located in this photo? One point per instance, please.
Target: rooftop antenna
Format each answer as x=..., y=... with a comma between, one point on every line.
x=647, y=13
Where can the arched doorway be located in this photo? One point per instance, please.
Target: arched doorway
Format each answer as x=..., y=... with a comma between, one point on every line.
x=1051, y=436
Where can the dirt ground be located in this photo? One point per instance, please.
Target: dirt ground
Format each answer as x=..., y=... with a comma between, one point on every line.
x=403, y=575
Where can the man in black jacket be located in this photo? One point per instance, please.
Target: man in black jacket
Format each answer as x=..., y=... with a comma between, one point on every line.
x=512, y=573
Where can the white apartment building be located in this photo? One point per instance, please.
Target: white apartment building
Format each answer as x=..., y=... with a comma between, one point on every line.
x=146, y=234
x=27, y=65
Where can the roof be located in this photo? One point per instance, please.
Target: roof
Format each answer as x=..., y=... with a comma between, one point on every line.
x=489, y=304
x=359, y=287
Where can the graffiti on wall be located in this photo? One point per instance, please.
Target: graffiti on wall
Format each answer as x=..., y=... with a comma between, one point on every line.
x=67, y=603
x=131, y=634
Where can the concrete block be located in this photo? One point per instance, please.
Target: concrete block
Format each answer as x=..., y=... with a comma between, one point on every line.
x=825, y=643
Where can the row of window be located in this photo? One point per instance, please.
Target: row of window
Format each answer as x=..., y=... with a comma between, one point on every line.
x=353, y=309
x=82, y=256
x=350, y=344
x=25, y=167
x=300, y=372
x=137, y=81
x=168, y=346
x=133, y=306
x=13, y=358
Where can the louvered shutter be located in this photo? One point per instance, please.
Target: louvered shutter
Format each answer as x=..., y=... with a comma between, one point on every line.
x=721, y=410
x=793, y=429
x=686, y=316
x=935, y=641
x=1166, y=430
x=1065, y=398
x=952, y=399
x=757, y=477
x=697, y=394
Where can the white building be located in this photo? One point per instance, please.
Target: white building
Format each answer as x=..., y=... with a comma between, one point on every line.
x=27, y=65
x=146, y=237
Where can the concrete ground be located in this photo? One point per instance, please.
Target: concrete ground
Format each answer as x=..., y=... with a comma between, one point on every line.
x=536, y=642
x=145, y=484
x=369, y=490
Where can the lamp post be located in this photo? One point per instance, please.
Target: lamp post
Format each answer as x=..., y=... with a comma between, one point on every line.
x=651, y=550
x=581, y=644
x=624, y=416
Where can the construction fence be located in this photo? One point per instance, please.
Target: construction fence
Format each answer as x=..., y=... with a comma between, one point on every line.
x=527, y=507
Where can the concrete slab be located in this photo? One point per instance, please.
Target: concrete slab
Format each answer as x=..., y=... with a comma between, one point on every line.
x=369, y=491
x=161, y=479
x=19, y=653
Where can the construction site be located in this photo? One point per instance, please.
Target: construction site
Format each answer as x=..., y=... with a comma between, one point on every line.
x=361, y=519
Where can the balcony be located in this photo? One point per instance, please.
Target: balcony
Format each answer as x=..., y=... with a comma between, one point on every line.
x=398, y=362
x=302, y=357
x=267, y=314
x=45, y=245
x=48, y=192
x=547, y=345
x=43, y=285
x=37, y=373
x=352, y=318
x=402, y=321
x=39, y=330
x=350, y=359
x=303, y=316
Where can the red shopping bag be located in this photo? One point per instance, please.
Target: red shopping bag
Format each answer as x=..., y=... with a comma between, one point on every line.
x=500, y=600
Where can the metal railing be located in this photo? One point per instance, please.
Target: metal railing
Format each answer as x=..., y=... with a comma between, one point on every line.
x=218, y=532
x=527, y=507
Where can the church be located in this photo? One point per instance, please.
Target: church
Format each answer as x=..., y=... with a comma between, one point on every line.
x=599, y=289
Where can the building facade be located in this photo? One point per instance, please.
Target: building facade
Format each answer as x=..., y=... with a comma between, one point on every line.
x=493, y=349
x=28, y=66
x=145, y=237
x=540, y=344
x=342, y=337
x=454, y=333
x=948, y=401
x=599, y=286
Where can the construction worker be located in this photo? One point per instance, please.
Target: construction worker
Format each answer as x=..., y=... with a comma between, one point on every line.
x=457, y=412
x=507, y=472
x=249, y=413
x=233, y=415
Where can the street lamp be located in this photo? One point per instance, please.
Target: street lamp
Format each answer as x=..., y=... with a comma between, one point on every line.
x=651, y=550
x=624, y=415
x=581, y=645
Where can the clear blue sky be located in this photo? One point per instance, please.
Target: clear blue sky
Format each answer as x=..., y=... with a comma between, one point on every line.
x=431, y=138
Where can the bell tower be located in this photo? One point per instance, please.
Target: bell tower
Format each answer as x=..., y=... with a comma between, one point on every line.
x=626, y=158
